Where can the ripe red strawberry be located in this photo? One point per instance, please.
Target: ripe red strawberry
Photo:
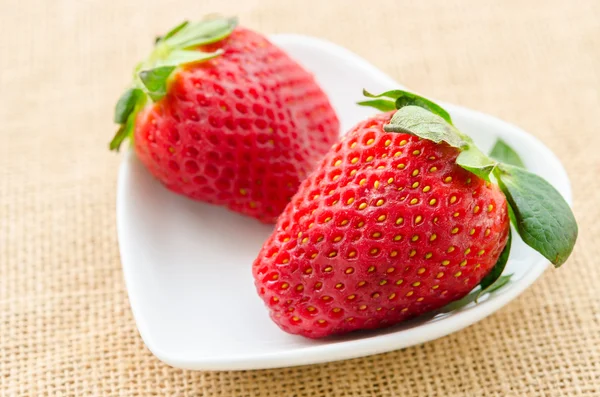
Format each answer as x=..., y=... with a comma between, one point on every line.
x=388, y=227
x=241, y=125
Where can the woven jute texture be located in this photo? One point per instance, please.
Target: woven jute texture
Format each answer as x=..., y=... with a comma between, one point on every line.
x=66, y=327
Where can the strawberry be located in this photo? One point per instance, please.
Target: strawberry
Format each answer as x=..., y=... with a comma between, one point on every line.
x=220, y=114
x=392, y=224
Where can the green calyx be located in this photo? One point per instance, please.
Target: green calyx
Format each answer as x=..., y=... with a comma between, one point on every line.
x=176, y=48
x=537, y=210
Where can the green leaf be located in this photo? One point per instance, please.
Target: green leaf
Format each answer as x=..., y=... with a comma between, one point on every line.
x=498, y=268
x=155, y=81
x=495, y=286
x=203, y=32
x=176, y=29
x=473, y=160
x=380, y=104
x=126, y=104
x=421, y=122
x=544, y=220
x=503, y=153
x=404, y=98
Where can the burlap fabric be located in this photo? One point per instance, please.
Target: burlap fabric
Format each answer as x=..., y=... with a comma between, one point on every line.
x=65, y=324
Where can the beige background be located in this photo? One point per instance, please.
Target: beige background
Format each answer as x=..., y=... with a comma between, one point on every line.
x=65, y=323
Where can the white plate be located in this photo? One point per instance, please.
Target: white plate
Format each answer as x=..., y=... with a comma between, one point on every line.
x=187, y=265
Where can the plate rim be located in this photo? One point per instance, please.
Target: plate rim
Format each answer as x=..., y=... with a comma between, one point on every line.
x=340, y=350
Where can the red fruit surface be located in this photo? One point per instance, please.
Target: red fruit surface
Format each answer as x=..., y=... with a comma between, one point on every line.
x=387, y=228
x=240, y=130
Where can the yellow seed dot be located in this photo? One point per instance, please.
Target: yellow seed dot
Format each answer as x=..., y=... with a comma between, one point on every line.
x=392, y=296
x=252, y=204
x=338, y=162
x=404, y=310
x=416, y=283
x=376, y=235
x=490, y=208
x=368, y=159
x=448, y=179
x=412, y=253
x=468, y=181
x=416, y=152
x=361, y=283
x=326, y=298
x=467, y=251
x=351, y=297
x=353, y=172
x=338, y=238
x=379, y=309
x=370, y=141
x=285, y=240
x=243, y=192
x=275, y=277
x=445, y=262
x=328, y=269
x=327, y=219
x=440, y=275
x=456, y=214
x=387, y=142
x=339, y=286
x=399, y=221
x=397, y=237
x=414, y=201
x=360, y=224
x=452, y=199
x=435, y=287
x=418, y=219
x=421, y=270
x=350, y=270
x=383, y=282
x=344, y=222
x=457, y=274
x=350, y=200
x=321, y=321
x=332, y=254
x=275, y=299
x=403, y=142
x=450, y=249
x=433, y=237
x=399, y=282
x=371, y=269
x=337, y=310
x=415, y=238
x=376, y=184
x=426, y=189
x=380, y=202
x=433, y=169
x=487, y=232
x=320, y=238
x=410, y=293
x=420, y=299
x=362, y=307
x=310, y=225
x=428, y=255
x=476, y=209
x=415, y=172
x=295, y=318
x=393, y=253
x=398, y=154
x=362, y=181
x=331, y=192
x=455, y=230
x=284, y=286
x=335, y=178
x=285, y=261
x=472, y=232
x=477, y=266
x=362, y=206
x=352, y=145
x=299, y=288
x=401, y=166
x=463, y=263
x=481, y=252
x=381, y=218
x=354, y=160
x=389, y=181
x=435, y=220
x=375, y=295
x=432, y=201
x=314, y=255
x=310, y=309
x=374, y=251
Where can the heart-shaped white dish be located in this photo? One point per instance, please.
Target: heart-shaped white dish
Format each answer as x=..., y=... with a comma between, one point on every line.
x=187, y=265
